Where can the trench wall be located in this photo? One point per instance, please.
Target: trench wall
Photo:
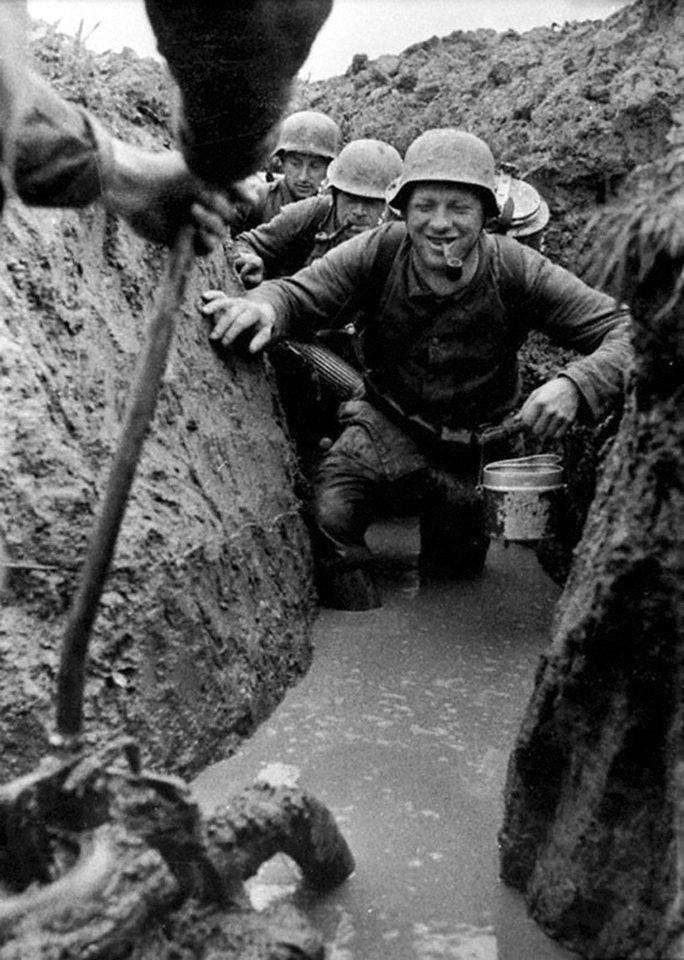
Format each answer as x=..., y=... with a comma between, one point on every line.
x=205, y=617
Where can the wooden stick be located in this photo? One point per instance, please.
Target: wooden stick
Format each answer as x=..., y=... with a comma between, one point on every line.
x=70, y=679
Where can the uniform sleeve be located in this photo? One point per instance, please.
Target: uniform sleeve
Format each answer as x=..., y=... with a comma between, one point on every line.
x=62, y=154
x=285, y=242
x=575, y=315
x=317, y=295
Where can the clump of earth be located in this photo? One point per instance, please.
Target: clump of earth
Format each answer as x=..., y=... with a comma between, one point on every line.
x=207, y=615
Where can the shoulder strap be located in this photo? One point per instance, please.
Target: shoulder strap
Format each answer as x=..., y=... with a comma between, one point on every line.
x=386, y=254
x=507, y=260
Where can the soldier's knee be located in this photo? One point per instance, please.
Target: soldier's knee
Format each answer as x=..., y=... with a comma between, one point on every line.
x=332, y=512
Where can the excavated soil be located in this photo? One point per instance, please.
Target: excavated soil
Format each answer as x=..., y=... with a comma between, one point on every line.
x=206, y=618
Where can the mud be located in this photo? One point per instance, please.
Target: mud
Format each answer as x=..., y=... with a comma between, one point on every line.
x=101, y=859
x=404, y=724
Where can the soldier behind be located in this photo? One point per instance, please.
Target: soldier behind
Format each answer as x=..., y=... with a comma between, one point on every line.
x=307, y=142
x=447, y=307
x=353, y=201
x=524, y=213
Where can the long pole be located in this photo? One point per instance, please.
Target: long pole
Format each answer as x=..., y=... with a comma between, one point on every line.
x=71, y=675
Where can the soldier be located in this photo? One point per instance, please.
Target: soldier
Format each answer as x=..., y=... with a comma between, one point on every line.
x=307, y=142
x=447, y=306
x=54, y=153
x=310, y=376
x=354, y=200
x=524, y=212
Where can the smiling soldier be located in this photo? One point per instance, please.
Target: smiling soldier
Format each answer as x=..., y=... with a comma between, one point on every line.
x=447, y=306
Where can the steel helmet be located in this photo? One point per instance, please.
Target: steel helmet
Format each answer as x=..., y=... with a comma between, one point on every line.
x=309, y=131
x=449, y=156
x=527, y=212
x=365, y=168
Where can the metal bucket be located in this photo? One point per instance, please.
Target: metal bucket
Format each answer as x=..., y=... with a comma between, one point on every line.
x=521, y=496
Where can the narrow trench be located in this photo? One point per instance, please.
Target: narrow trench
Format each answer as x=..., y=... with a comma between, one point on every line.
x=403, y=727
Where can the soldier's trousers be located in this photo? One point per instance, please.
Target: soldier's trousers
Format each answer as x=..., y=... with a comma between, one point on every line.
x=373, y=470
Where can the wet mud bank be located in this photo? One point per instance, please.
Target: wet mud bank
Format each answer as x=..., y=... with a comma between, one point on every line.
x=206, y=613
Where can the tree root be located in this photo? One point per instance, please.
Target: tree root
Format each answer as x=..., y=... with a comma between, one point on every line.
x=96, y=859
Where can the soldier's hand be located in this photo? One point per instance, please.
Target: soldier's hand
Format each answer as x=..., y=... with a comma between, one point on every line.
x=157, y=194
x=551, y=409
x=250, y=269
x=235, y=315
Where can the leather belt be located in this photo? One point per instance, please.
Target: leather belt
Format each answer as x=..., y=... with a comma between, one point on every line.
x=419, y=428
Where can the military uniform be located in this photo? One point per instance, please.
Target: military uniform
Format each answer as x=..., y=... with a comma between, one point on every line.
x=297, y=236
x=438, y=368
x=300, y=234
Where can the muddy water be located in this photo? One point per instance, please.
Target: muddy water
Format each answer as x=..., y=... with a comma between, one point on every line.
x=402, y=728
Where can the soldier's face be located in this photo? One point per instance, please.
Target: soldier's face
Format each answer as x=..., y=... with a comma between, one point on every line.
x=443, y=219
x=304, y=173
x=361, y=213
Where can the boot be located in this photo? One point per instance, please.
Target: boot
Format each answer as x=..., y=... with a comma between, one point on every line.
x=351, y=588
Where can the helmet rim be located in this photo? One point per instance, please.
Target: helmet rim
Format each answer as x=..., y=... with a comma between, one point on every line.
x=365, y=168
x=309, y=131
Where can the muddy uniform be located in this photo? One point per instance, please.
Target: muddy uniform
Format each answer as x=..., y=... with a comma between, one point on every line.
x=297, y=236
x=438, y=368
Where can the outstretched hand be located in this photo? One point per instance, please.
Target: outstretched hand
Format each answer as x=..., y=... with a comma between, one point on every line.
x=551, y=409
x=235, y=315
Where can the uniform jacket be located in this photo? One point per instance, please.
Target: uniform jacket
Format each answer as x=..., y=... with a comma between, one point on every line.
x=453, y=360
x=301, y=233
